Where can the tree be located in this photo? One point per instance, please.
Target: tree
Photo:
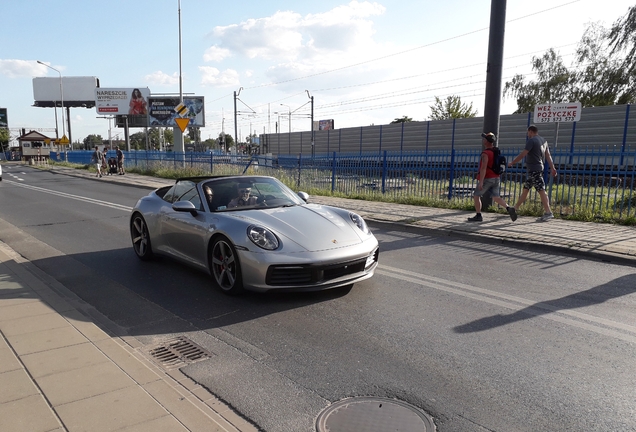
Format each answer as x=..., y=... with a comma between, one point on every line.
x=603, y=72
x=451, y=108
x=137, y=141
x=555, y=83
x=404, y=119
x=5, y=137
x=93, y=140
x=225, y=142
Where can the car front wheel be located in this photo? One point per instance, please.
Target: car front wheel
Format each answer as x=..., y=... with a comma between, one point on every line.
x=225, y=267
x=140, y=238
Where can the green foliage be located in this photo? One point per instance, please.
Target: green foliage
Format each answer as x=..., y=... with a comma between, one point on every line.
x=93, y=140
x=403, y=119
x=225, y=142
x=451, y=108
x=5, y=137
x=603, y=72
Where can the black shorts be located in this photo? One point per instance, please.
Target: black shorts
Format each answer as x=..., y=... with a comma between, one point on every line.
x=534, y=180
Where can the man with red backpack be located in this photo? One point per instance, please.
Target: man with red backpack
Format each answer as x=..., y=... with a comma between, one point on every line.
x=488, y=178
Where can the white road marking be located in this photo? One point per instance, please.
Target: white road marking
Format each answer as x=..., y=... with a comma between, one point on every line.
x=539, y=309
x=75, y=197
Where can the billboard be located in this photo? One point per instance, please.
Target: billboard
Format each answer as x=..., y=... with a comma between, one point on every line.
x=77, y=91
x=323, y=125
x=4, y=121
x=557, y=113
x=126, y=101
x=162, y=111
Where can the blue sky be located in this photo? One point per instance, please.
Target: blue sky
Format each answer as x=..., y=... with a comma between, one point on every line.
x=365, y=62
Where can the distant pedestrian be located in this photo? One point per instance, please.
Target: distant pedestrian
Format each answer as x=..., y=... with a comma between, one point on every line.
x=105, y=160
x=536, y=153
x=488, y=180
x=120, y=161
x=96, y=159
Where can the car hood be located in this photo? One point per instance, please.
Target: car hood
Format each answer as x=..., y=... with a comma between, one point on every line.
x=312, y=227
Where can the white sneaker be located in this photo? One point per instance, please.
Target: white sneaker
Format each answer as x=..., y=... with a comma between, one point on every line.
x=546, y=217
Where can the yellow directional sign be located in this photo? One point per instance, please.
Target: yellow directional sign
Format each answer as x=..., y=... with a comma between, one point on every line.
x=47, y=141
x=64, y=140
x=182, y=123
x=181, y=109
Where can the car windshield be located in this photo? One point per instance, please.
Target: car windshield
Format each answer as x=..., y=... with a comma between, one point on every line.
x=242, y=193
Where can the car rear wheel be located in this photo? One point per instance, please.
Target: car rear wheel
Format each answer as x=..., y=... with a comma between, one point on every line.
x=140, y=238
x=225, y=266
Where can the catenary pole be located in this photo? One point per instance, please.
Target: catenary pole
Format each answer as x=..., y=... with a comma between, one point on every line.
x=495, y=66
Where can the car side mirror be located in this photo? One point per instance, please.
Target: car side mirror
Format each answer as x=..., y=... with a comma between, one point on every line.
x=304, y=196
x=185, y=206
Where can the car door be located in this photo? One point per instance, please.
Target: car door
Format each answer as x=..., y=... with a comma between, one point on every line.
x=186, y=233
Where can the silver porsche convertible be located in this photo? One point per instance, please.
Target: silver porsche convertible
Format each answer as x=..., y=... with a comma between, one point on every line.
x=254, y=233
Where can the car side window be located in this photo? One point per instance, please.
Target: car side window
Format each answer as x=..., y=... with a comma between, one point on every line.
x=169, y=196
x=193, y=196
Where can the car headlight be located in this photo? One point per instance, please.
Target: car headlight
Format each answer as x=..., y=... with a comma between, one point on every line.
x=262, y=237
x=360, y=223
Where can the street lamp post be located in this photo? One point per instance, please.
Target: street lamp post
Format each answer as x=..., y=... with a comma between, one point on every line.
x=289, y=114
x=61, y=94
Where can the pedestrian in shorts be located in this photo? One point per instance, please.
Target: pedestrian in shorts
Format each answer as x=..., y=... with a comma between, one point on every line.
x=488, y=180
x=536, y=153
x=96, y=159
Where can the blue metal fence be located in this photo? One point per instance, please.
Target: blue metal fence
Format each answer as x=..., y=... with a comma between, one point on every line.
x=590, y=181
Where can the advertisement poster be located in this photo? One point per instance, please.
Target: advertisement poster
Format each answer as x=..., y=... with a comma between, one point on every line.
x=122, y=101
x=4, y=121
x=162, y=111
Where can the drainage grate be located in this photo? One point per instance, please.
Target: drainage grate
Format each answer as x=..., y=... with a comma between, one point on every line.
x=371, y=414
x=178, y=352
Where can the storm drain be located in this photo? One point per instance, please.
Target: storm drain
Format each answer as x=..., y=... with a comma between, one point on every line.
x=178, y=352
x=370, y=414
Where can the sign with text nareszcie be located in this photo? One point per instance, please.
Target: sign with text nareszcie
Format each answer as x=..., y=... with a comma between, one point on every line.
x=122, y=101
x=557, y=113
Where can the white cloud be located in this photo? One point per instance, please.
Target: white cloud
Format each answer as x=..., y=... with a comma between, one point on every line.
x=216, y=54
x=23, y=68
x=287, y=36
x=162, y=79
x=211, y=76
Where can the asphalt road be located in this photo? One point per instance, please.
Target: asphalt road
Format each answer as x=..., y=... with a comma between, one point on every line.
x=483, y=340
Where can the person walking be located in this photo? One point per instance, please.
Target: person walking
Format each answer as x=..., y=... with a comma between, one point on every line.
x=120, y=161
x=488, y=180
x=536, y=153
x=96, y=159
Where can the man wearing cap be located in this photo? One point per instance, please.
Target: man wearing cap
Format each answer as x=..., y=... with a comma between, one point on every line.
x=537, y=152
x=243, y=198
x=488, y=180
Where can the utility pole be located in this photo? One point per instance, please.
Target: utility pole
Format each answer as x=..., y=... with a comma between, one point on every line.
x=312, y=123
x=495, y=66
x=236, y=117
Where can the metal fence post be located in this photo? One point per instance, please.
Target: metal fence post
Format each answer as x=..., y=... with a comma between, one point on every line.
x=384, y=167
x=625, y=133
x=451, y=174
x=333, y=173
x=572, y=143
x=300, y=155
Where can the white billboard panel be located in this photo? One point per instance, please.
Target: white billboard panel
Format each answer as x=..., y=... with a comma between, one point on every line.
x=557, y=113
x=122, y=101
x=74, y=88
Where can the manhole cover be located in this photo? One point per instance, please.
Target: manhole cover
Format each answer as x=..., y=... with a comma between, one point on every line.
x=370, y=414
x=178, y=352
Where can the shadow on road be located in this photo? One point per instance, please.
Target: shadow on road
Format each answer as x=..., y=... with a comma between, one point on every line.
x=618, y=287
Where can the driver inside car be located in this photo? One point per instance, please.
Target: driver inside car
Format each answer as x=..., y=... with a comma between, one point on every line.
x=243, y=198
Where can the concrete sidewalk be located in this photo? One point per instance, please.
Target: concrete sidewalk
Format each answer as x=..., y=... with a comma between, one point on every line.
x=62, y=369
